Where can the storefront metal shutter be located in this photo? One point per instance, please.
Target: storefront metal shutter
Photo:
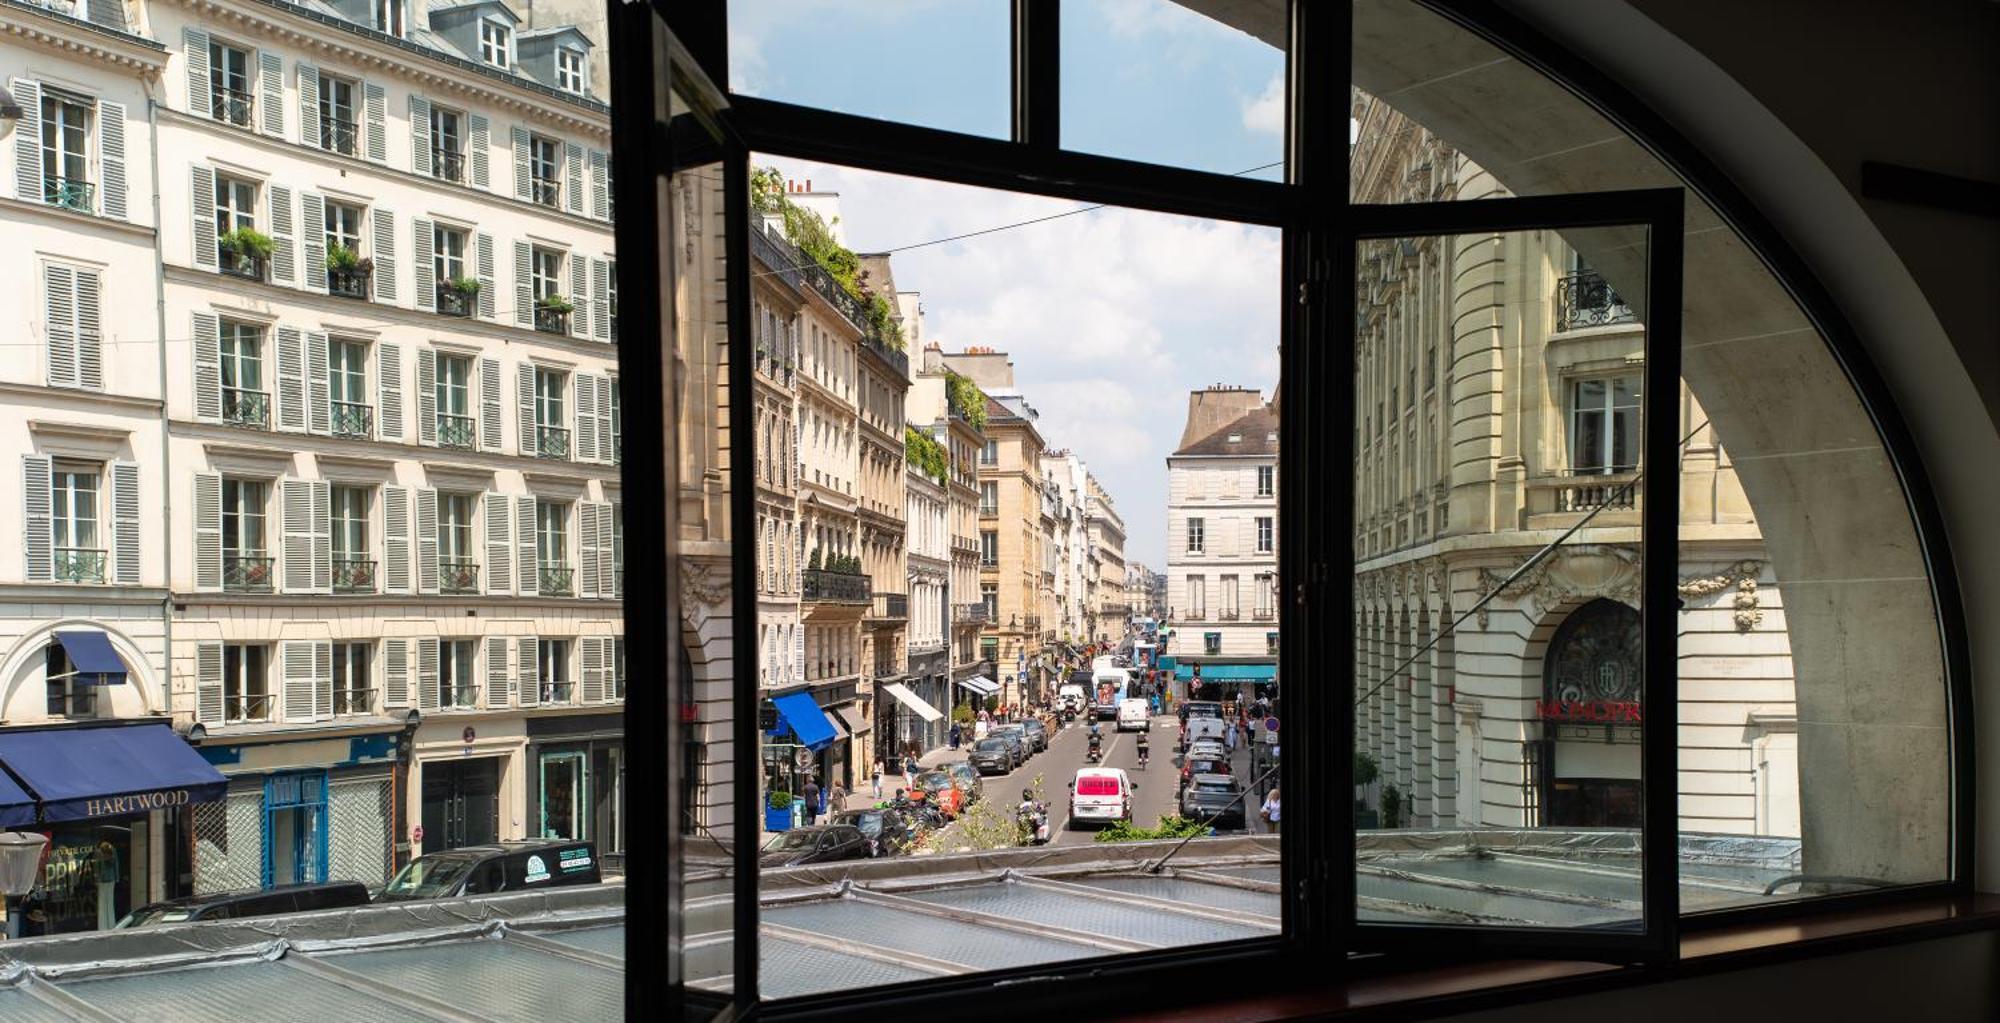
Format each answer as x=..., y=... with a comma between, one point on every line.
x=229, y=840
x=358, y=827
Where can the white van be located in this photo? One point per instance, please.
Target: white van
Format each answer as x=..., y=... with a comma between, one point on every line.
x=1135, y=715
x=1073, y=697
x=1100, y=795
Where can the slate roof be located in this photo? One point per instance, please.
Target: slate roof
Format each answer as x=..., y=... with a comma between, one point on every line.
x=1255, y=428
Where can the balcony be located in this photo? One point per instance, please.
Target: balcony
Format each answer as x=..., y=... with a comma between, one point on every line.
x=353, y=701
x=447, y=164
x=461, y=696
x=231, y=105
x=350, y=283
x=551, y=319
x=337, y=135
x=892, y=606
x=557, y=580
x=969, y=614
x=1583, y=299
x=242, y=407
x=353, y=575
x=1563, y=499
x=987, y=511
x=1264, y=614
x=246, y=573
x=237, y=263
x=551, y=442
x=246, y=707
x=453, y=302
x=79, y=564
x=827, y=587
x=70, y=194
x=352, y=419
x=1228, y=614
x=458, y=577
x=545, y=191
x=456, y=432
x=558, y=691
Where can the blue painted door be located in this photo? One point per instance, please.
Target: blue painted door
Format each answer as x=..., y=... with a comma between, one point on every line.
x=294, y=828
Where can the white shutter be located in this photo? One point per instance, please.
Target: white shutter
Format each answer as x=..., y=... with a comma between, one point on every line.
x=208, y=677
x=207, y=367
x=592, y=657
x=37, y=505
x=573, y=178
x=490, y=420
x=384, y=278
x=427, y=673
x=499, y=543
x=298, y=535
x=395, y=673
x=125, y=523
x=199, y=102
x=611, y=550
x=427, y=540
x=423, y=236
x=524, y=284
x=59, y=308
x=498, y=678
x=520, y=139
x=600, y=300
x=322, y=530
x=203, y=188
x=527, y=687
x=579, y=297
x=378, y=136
x=295, y=665
x=207, y=531
x=420, y=135
x=309, y=129
x=396, y=539
x=312, y=211
x=284, y=242
x=479, y=138
x=271, y=92
x=89, y=331
x=586, y=418
x=319, y=396
x=587, y=531
x=111, y=149
x=524, y=543
x=322, y=680
x=426, y=396
x=600, y=190
x=607, y=437
x=389, y=390
x=291, y=380
x=525, y=407
x=28, y=185
x=482, y=261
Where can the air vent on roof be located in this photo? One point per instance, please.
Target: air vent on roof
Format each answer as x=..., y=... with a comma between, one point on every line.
x=1235, y=438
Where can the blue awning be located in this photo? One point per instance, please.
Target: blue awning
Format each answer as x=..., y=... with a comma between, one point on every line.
x=91, y=655
x=806, y=720
x=78, y=773
x=17, y=808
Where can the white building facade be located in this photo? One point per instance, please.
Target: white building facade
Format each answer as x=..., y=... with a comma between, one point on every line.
x=1222, y=561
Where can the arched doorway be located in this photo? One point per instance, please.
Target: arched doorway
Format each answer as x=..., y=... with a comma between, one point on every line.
x=1590, y=713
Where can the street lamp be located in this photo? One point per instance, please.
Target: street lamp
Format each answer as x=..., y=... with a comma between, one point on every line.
x=20, y=861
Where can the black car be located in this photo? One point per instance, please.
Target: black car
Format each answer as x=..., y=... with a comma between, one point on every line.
x=992, y=756
x=291, y=898
x=1036, y=732
x=1217, y=794
x=885, y=830
x=1017, y=735
x=501, y=867
x=823, y=843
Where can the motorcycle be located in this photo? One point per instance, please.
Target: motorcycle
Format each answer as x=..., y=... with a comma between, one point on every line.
x=1095, y=754
x=1034, y=824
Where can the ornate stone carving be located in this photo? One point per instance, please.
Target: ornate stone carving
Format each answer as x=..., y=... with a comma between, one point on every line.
x=1585, y=571
x=1743, y=577
x=704, y=585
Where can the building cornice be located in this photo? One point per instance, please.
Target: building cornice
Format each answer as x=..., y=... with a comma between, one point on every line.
x=41, y=27
x=365, y=47
x=188, y=606
x=51, y=398
x=121, y=595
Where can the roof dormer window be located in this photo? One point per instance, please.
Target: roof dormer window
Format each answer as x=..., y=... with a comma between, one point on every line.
x=389, y=17
x=496, y=43
x=569, y=69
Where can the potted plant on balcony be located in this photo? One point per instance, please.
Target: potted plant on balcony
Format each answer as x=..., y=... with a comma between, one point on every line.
x=245, y=244
x=467, y=286
x=555, y=304
x=340, y=259
x=257, y=573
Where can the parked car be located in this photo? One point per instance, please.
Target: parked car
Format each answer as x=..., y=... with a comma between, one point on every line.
x=821, y=843
x=885, y=830
x=1100, y=795
x=968, y=779
x=1207, y=749
x=995, y=756
x=1191, y=767
x=1196, y=729
x=500, y=867
x=1016, y=733
x=1217, y=794
x=290, y=898
x=1191, y=709
x=940, y=788
x=1038, y=732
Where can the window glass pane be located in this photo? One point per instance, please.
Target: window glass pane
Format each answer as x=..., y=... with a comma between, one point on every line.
x=1812, y=678
x=941, y=64
x=967, y=518
x=1154, y=80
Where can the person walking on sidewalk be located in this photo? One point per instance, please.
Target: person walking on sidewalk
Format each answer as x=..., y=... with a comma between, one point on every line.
x=954, y=735
x=909, y=772
x=813, y=806
x=839, y=800
x=877, y=779
x=1270, y=810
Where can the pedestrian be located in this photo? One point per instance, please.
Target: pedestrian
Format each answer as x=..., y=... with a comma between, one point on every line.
x=877, y=779
x=839, y=801
x=812, y=801
x=909, y=772
x=1229, y=736
x=954, y=735
x=1270, y=810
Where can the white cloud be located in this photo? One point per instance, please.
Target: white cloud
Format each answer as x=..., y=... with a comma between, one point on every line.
x=1265, y=114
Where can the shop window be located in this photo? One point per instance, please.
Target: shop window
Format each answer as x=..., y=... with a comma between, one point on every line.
x=69, y=696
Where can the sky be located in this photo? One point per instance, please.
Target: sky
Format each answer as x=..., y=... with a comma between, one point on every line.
x=1111, y=316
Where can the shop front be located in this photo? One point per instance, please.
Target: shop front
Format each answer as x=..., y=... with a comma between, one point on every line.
x=905, y=713
x=577, y=779
x=300, y=809
x=801, y=743
x=1587, y=763
x=1236, y=683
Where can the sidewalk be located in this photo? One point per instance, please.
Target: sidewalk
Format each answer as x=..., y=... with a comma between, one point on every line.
x=864, y=796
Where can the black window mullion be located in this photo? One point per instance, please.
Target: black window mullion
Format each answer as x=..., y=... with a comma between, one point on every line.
x=1037, y=73
x=1659, y=532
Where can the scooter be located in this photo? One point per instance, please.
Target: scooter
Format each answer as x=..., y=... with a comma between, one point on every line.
x=1096, y=754
x=1035, y=824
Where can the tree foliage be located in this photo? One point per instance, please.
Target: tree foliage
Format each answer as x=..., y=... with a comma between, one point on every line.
x=1171, y=826
x=966, y=398
x=920, y=450
x=814, y=238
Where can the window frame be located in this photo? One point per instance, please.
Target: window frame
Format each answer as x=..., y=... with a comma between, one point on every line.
x=496, y=44
x=574, y=80
x=55, y=153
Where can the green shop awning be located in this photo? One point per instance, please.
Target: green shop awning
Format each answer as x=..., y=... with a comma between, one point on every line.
x=1230, y=672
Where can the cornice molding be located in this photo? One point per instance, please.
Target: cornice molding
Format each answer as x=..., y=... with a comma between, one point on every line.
x=52, y=398
x=75, y=37
x=78, y=220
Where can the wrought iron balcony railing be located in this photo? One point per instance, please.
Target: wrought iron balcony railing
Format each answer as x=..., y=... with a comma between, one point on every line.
x=1228, y=614
x=969, y=614
x=557, y=580
x=453, y=302
x=237, y=263
x=447, y=164
x=246, y=707
x=232, y=105
x=545, y=191
x=79, y=564
x=241, y=407
x=455, y=432
x=353, y=575
x=1263, y=614
x=551, y=321
x=1583, y=299
x=348, y=283
x=70, y=194
x=353, y=701
x=463, y=696
x=828, y=587
x=558, y=692
x=246, y=573
x=337, y=134
x=551, y=442
x=892, y=605
x=353, y=419
x=458, y=576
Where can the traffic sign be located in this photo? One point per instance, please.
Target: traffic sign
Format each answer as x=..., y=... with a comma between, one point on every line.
x=1270, y=724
